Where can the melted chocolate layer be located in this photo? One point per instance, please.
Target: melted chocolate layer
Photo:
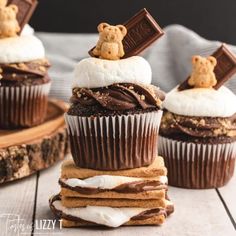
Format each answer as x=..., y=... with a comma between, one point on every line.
x=199, y=129
x=27, y=73
x=133, y=187
x=117, y=97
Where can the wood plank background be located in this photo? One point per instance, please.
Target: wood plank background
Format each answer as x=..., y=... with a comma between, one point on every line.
x=17, y=201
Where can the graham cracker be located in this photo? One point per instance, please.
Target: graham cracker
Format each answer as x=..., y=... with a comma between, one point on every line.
x=73, y=202
x=70, y=170
x=154, y=194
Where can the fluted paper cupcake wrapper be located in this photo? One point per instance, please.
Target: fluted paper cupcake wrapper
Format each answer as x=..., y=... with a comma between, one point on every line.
x=23, y=106
x=195, y=165
x=115, y=142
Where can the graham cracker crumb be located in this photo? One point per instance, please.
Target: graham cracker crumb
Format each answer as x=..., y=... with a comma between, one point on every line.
x=42, y=69
x=22, y=66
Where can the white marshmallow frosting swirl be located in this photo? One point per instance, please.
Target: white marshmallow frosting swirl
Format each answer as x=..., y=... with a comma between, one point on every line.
x=27, y=30
x=201, y=102
x=22, y=48
x=94, y=72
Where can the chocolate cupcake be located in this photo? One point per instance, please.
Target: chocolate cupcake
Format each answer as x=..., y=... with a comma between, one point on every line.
x=24, y=83
x=114, y=118
x=115, y=112
x=198, y=131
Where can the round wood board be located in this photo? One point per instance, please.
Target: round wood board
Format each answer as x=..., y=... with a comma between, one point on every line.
x=25, y=151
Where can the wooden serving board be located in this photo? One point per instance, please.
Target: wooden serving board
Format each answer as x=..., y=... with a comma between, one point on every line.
x=25, y=151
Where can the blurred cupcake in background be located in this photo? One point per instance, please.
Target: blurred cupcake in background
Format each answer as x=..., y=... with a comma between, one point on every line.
x=115, y=112
x=198, y=130
x=24, y=83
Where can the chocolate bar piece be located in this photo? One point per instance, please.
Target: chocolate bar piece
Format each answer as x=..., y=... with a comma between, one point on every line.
x=143, y=30
x=226, y=65
x=26, y=9
x=224, y=70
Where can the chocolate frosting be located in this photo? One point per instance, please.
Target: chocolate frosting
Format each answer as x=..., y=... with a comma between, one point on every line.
x=132, y=187
x=142, y=216
x=119, y=97
x=197, y=128
x=32, y=72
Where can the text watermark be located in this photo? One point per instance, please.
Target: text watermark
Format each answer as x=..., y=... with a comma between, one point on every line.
x=15, y=225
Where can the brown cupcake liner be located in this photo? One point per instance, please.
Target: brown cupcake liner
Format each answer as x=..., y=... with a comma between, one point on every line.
x=195, y=165
x=23, y=106
x=115, y=142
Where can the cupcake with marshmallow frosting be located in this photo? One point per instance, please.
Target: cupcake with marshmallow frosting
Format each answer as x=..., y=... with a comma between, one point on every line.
x=198, y=133
x=24, y=80
x=115, y=113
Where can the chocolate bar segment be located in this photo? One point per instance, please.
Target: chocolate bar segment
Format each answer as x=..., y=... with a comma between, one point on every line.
x=26, y=9
x=224, y=70
x=143, y=30
x=226, y=65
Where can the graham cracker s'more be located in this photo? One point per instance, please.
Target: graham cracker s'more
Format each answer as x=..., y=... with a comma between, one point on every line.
x=141, y=183
x=112, y=198
x=120, y=214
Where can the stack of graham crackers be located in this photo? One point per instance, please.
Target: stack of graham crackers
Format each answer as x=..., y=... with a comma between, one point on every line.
x=112, y=198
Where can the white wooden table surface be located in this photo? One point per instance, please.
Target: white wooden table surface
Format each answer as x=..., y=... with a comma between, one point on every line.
x=197, y=212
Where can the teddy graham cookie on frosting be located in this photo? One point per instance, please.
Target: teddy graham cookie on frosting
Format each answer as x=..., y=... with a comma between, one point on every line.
x=109, y=45
x=9, y=26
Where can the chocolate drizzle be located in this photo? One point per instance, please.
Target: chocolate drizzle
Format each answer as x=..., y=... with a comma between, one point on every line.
x=150, y=213
x=198, y=128
x=140, y=186
x=132, y=187
x=116, y=97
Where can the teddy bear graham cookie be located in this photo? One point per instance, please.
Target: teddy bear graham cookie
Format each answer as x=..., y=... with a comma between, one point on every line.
x=9, y=26
x=203, y=75
x=109, y=45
